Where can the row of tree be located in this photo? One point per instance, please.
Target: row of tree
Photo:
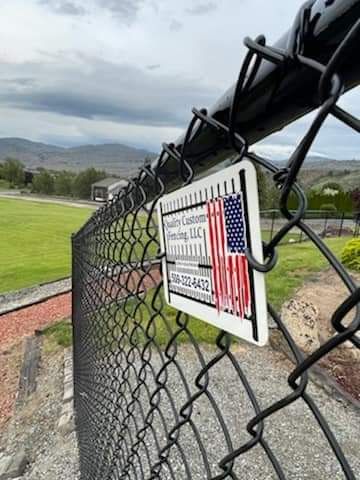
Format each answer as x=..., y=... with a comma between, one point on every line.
x=51, y=183
x=330, y=196
x=67, y=184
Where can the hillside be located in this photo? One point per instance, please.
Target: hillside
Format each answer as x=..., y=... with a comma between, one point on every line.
x=122, y=160
x=114, y=158
x=319, y=170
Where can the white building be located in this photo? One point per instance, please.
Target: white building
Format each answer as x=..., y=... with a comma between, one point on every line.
x=105, y=190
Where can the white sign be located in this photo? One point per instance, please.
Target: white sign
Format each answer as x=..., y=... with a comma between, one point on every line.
x=205, y=229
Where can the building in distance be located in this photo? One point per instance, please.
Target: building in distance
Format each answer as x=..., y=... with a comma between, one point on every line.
x=105, y=190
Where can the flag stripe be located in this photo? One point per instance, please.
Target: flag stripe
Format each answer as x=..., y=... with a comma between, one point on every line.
x=223, y=250
x=231, y=282
x=240, y=285
x=218, y=253
x=247, y=295
x=213, y=256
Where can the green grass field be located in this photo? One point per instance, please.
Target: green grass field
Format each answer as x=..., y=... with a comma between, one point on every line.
x=35, y=241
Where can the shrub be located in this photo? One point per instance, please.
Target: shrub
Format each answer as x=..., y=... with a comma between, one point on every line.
x=84, y=180
x=336, y=187
x=350, y=256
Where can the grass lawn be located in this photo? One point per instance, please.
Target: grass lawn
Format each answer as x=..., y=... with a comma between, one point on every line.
x=59, y=335
x=35, y=241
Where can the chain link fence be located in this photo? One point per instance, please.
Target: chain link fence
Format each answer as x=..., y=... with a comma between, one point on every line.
x=152, y=400
x=325, y=224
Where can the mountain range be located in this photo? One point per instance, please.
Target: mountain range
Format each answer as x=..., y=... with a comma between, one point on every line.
x=116, y=159
x=122, y=160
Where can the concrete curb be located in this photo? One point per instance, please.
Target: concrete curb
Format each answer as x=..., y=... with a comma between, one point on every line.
x=66, y=422
x=26, y=297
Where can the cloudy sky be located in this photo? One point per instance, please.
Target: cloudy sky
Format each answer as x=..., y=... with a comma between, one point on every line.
x=129, y=71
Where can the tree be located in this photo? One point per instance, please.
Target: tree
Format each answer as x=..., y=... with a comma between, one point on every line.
x=43, y=183
x=63, y=183
x=13, y=172
x=331, y=187
x=355, y=197
x=84, y=180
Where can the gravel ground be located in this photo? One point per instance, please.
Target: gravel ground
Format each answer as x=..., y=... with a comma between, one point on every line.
x=26, y=296
x=293, y=434
x=34, y=427
x=18, y=324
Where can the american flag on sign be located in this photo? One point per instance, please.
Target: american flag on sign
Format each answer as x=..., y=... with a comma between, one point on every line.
x=230, y=272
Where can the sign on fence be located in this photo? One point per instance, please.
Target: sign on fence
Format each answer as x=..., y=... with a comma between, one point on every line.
x=205, y=230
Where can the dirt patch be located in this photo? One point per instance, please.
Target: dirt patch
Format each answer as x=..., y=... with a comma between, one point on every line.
x=10, y=361
x=327, y=292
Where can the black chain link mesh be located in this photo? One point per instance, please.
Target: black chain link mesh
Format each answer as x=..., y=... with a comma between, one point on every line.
x=143, y=379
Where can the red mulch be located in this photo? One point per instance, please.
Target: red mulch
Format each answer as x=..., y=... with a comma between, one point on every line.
x=10, y=361
x=19, y=324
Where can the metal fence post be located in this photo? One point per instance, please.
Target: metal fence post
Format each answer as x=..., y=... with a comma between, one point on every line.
x=325, y=223
x=341, y=224
x=272, y=224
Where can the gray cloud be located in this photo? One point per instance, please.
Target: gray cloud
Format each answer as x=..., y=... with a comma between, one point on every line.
x=124, y=10
x=156, y=66
x=106, y=91
x=64, y=7
x=175, y=26
x=202, y=8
